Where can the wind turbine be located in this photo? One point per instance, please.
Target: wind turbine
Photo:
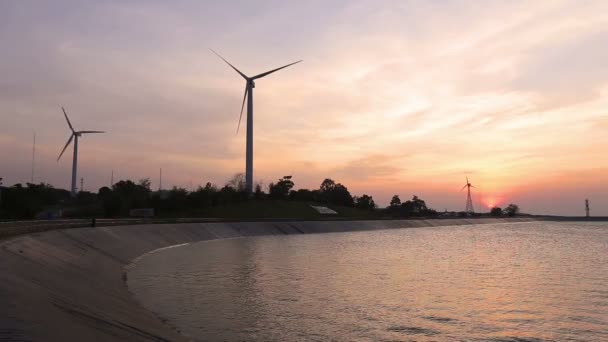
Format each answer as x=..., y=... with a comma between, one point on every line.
x=249, y=85
x=75, y=135
x=469, y=208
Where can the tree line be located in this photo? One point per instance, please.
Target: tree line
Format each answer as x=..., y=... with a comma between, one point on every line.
x=35, y=200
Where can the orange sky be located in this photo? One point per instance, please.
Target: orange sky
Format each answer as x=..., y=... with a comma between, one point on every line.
x=392, y=98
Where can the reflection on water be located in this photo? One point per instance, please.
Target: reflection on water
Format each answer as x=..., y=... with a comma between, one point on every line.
x=507, y=282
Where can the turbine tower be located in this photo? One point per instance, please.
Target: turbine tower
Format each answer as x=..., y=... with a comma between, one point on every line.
x=469, y=207
x=74, y=136
x=249, y=85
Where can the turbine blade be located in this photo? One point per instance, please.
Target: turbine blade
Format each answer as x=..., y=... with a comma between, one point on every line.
x=467, y=179
x=91, y=132
x=232, y=66
x=271, y=71
x=68, y=120
x=242, y=107
x=66, y=146
x=463, y=187
x=472, y=186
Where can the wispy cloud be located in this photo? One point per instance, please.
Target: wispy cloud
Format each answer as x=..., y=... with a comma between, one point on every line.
x=392, y=96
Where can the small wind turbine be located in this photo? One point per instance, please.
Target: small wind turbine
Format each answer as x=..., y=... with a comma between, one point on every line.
x=249, y=85
x=75, y=135
x=469, y=208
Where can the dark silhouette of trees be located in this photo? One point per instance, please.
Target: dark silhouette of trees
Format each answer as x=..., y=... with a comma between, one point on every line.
x=203, y=197
x=29, y=201
x=258, y=193
x=237, y=182
x=111, y=201
x=131, y=195
x=395, y=201
x=327, y=186
x=19, y=202
x=365, y=202
x=512, y=210
x=304, y=195
x=496, y=211
x=416, y=207
x=281, y=189
x=335, y=193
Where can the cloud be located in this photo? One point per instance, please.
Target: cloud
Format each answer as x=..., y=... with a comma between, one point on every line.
x=398, y=96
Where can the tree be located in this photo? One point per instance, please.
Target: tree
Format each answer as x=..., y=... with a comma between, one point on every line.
x=132, y=195
x=365, y=202
x=512, y=210
x=327, y=185
x=415, y=206
x=145, y=183
x=341, y=196
x=335, y=193
x=237, y=182
x=302, y=195
x=496, y=211
x=203, y=197
x=281, y=189
x=258, y=193
x=26, y=202
x=110, y=201
x=395, y=201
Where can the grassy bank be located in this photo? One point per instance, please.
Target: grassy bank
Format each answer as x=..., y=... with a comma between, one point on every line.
x=277, y=209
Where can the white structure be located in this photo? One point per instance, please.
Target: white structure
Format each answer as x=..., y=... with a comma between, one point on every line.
x=324, y=210
x=249, y=85
x=75, y=135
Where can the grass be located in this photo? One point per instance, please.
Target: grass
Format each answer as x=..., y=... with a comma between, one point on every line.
x=277, y=209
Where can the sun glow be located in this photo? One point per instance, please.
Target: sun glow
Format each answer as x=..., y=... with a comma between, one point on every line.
x=491, y=201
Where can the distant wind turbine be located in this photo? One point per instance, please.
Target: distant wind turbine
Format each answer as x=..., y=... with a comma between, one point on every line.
x=74, y=136
x=469, y=208
x=249, y=85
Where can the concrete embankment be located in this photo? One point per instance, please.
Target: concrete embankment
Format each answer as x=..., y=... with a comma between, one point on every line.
x=68, y=285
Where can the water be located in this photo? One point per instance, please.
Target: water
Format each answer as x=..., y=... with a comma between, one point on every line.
x=506, y=282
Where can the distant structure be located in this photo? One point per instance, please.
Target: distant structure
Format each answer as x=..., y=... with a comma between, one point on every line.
x=250, y=84
x=469, y=207
x=586, y=208
x=112, y=179
x=81, y=184
x=75, y=135
x=33, y=158
x=160, y=180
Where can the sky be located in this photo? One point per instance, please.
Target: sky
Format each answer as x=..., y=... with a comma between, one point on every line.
x=393, y=97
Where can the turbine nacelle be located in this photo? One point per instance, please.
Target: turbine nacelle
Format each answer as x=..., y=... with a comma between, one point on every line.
x=468, y=184
x=76, y=134
x=250, y=81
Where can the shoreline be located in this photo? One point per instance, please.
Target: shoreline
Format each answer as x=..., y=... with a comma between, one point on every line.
x=68, y=284
x=13, y=228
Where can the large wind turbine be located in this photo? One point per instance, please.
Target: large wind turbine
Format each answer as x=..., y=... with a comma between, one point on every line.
x=74, y=136
x=249, y=85
x=469, y=208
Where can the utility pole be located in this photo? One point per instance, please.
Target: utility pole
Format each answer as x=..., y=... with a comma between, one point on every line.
x=33, y=158
x=112, y=179
x=587, y=207
x=1, y=190
x=160, y=180
x=81, y=184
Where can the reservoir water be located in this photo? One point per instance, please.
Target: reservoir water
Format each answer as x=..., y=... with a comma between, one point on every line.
x=537, y=281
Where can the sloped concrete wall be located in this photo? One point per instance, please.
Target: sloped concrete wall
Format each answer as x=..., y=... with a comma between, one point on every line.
x=67, y=285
